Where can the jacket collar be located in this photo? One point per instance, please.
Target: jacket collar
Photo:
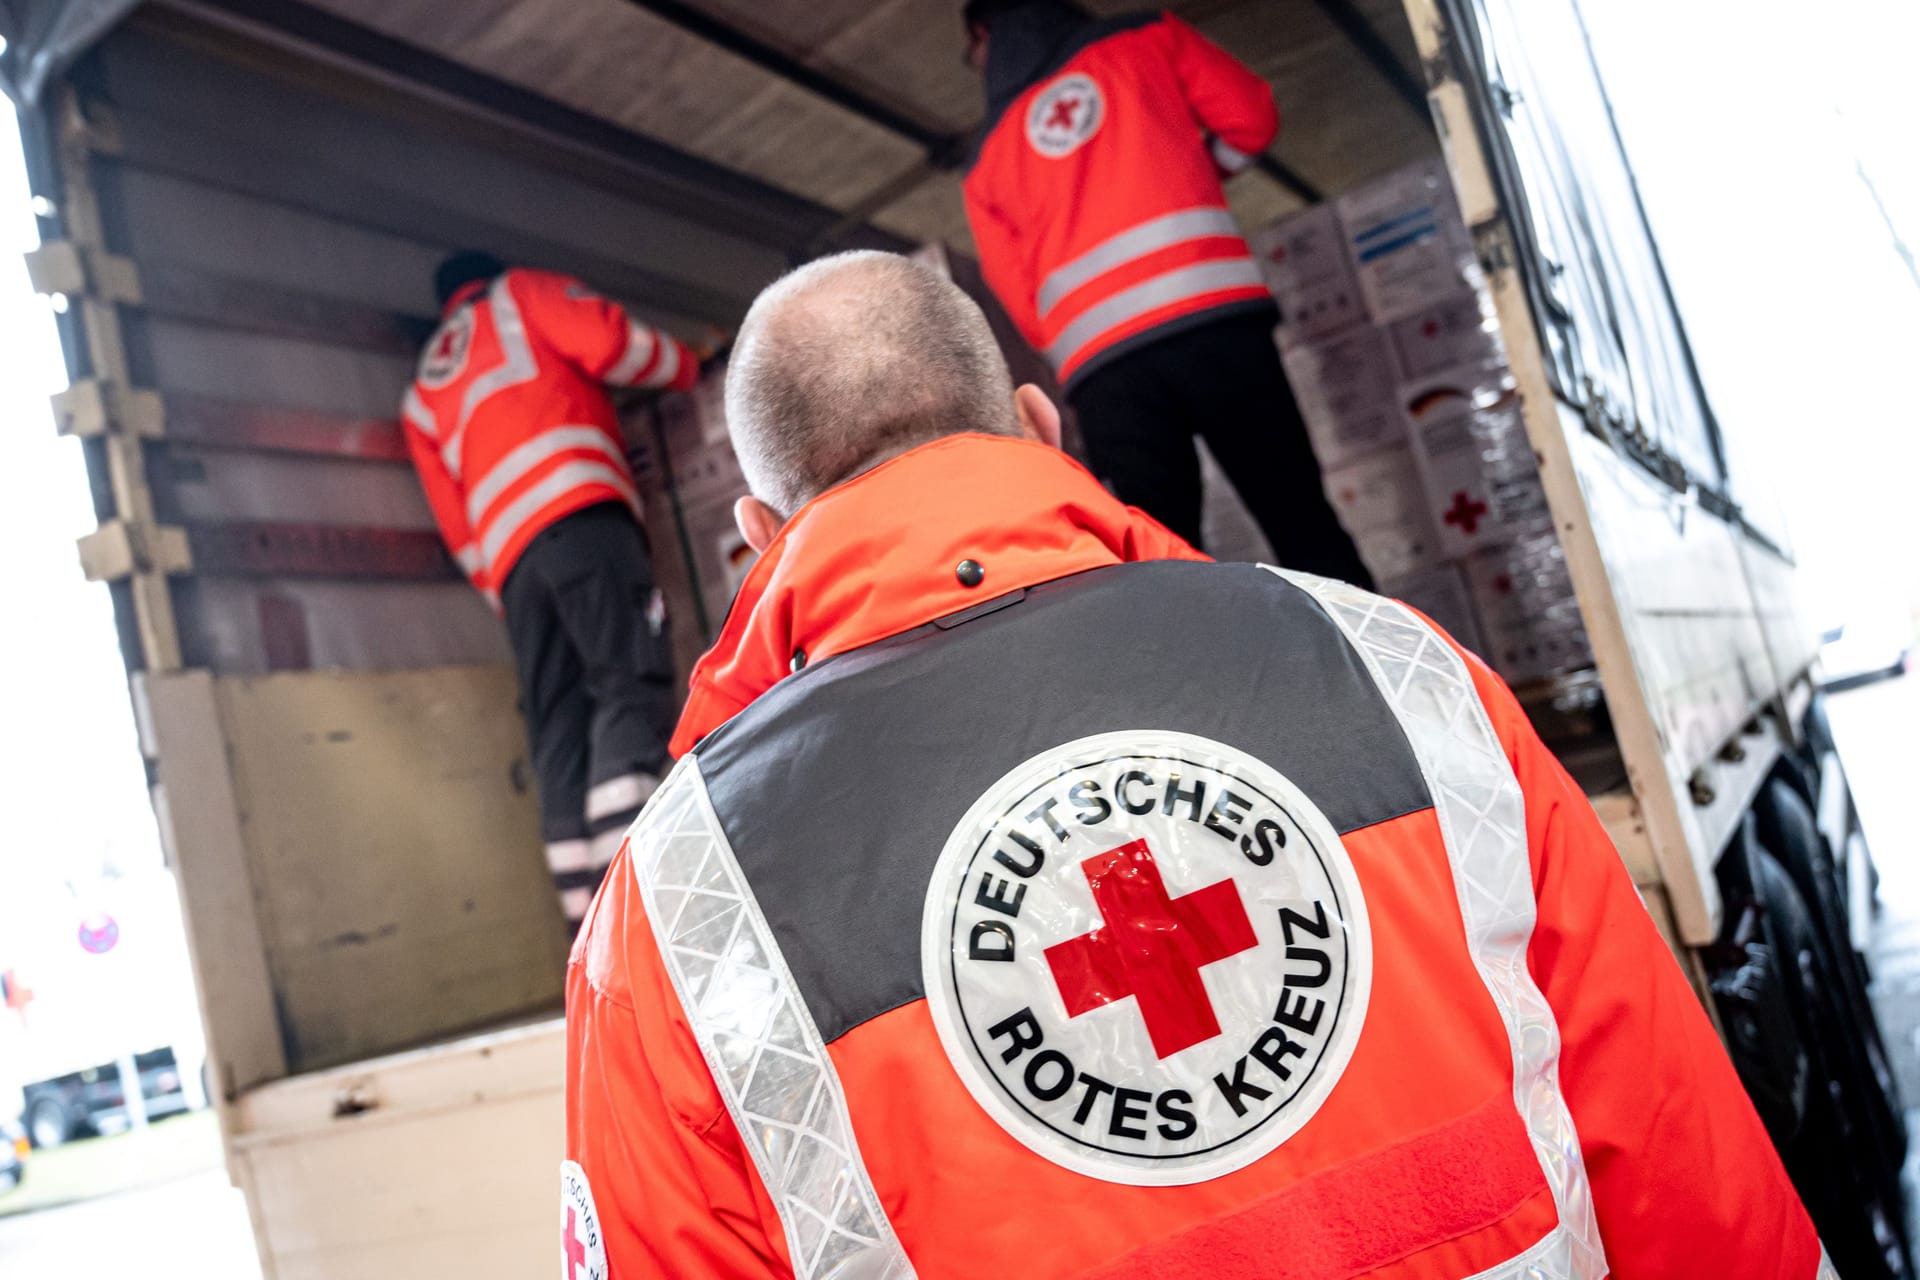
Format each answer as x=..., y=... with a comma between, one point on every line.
x=879, y=555
x=464, y=294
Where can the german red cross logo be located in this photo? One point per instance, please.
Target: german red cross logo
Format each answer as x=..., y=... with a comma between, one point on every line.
x=445, y=357
x=583, y=1252
x=1064, y=114
x=1147, y=957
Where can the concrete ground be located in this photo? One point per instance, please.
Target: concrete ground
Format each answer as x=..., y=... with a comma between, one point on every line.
x=1875, y=728
x=152, y=1202
x=191, y=1227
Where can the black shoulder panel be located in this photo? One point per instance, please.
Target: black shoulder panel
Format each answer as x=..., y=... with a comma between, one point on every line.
x=838, y=787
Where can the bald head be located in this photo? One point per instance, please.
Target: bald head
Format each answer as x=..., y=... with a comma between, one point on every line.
x=851, y=360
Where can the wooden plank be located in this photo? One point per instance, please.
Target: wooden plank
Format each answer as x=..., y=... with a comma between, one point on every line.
x=466, y=1192
x=187, y=293
x=237, y=424
x=120, y=549
x=264, y=548
x=465, y=1135
x=397, y=1088
x=1620, y=813
x=395, y=853
x=197, y=806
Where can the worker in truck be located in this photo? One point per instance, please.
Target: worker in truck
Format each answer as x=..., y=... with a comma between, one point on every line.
x=1096, y=207
x=519, y=451
x=1034, y=899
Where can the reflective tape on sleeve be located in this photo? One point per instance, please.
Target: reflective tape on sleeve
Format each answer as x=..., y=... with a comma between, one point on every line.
x=642, y=344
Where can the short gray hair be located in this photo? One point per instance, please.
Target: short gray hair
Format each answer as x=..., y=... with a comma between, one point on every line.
x=850, y=360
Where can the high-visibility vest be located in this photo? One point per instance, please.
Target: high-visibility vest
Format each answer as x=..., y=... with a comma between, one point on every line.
x=1095, y=198
x=508, y=419
x=1092, y=913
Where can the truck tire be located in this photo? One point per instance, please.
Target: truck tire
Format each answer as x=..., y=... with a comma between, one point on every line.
x=49, y=1122
x=1835, y=1155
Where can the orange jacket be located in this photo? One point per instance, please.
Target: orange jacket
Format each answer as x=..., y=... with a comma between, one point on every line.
x=1481, y=1058
x=508, y=419
x=1095, y=200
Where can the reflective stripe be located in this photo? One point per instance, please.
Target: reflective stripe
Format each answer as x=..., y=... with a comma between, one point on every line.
x=468, y=558
x=524, y=458
x=669, y=367
x=1826, y=1269
x=568, y=855
x=1135, y=242
x=603, y=846
x=1230, y=158
x=415, y=410
x=1148, y=295
x=641, y=344
x=1551, y=1259
x=758, y=1038
x=1482, y=818
x=627, y=792
x=516, y=365
x=501, y=529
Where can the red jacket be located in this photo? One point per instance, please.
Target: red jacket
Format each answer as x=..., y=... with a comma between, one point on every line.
x=1095, y=200
x=1483, y=1059
x=508, y=418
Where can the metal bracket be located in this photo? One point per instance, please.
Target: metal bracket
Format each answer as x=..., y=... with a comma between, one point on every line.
x=121, y=548
x=93, y=407
x=61, y=266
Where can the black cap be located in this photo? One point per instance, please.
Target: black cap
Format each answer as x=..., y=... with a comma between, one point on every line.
x=462, y=269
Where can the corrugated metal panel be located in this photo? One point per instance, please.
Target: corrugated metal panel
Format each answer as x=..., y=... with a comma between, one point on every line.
x=614, y=60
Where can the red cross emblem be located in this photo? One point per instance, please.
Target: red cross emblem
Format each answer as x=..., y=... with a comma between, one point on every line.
x=1062, y=116
x=1465, y=512
x=571, y=1245
x=1151, y=947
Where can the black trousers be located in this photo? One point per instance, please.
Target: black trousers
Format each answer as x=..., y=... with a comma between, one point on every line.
x=596, y=683
x=1222, y=381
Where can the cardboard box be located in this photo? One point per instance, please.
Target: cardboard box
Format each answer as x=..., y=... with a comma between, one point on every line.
x=1524, y=599
x=1393, y=553
x=1455, y=333
x=1304, y=258
x=1441, y=592
x=1409, y=246
x=1477, y=467
x=1380, y=491
x=1345, y=388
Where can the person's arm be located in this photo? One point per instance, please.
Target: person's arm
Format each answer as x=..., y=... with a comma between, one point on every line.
x=443, y=495
x=675, y=1190
x=597, y=336
x=1684, y=1178
x=997, y=241
x=1234, y=106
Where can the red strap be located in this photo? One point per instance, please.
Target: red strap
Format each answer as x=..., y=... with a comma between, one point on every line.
x=1349, y=1220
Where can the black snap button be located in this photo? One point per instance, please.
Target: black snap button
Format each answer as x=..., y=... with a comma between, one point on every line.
x=970, y=573
x=798, y=661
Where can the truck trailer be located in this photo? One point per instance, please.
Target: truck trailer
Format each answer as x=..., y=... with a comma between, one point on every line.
x=242, y=202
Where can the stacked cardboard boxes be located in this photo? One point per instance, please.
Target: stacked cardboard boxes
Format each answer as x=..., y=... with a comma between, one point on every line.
x=1388, y=336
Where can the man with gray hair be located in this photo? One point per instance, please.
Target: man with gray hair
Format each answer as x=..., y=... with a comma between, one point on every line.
x=1032, y=900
